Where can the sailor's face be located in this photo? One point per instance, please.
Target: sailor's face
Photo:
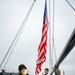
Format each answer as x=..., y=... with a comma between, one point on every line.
x=23, y=70
x=46, y=71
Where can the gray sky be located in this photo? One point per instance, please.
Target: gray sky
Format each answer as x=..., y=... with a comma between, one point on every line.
x=12, y=14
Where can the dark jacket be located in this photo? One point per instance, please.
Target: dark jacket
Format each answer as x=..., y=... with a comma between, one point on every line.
x=20, y=73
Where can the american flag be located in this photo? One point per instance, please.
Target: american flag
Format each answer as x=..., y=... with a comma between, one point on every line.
x=43, y=44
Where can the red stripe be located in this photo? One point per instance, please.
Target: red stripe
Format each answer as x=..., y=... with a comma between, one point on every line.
x=44, y=44
x=44, y=26
x=45, y=34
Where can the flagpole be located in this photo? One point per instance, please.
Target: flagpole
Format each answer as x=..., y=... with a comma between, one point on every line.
x=52, y=29
x=50, y=60
x=53, y=43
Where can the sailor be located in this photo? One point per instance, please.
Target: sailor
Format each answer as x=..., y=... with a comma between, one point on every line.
x=46, y=71
x=21, y=69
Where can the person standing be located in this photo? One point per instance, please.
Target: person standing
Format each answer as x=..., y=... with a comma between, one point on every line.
x=46, y=71
x=21, y=69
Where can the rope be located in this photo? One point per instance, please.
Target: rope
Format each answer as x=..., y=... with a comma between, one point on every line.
x=70, y=5
x=17, y=37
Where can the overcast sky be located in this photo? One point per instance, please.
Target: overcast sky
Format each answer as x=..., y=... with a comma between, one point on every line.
x=12, y=14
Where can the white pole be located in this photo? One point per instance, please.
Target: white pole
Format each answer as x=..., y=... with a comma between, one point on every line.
x=50, y=60
x=52, y=31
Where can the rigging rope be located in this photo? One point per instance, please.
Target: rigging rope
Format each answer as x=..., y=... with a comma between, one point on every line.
x=70, y=5
x=13, y=44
